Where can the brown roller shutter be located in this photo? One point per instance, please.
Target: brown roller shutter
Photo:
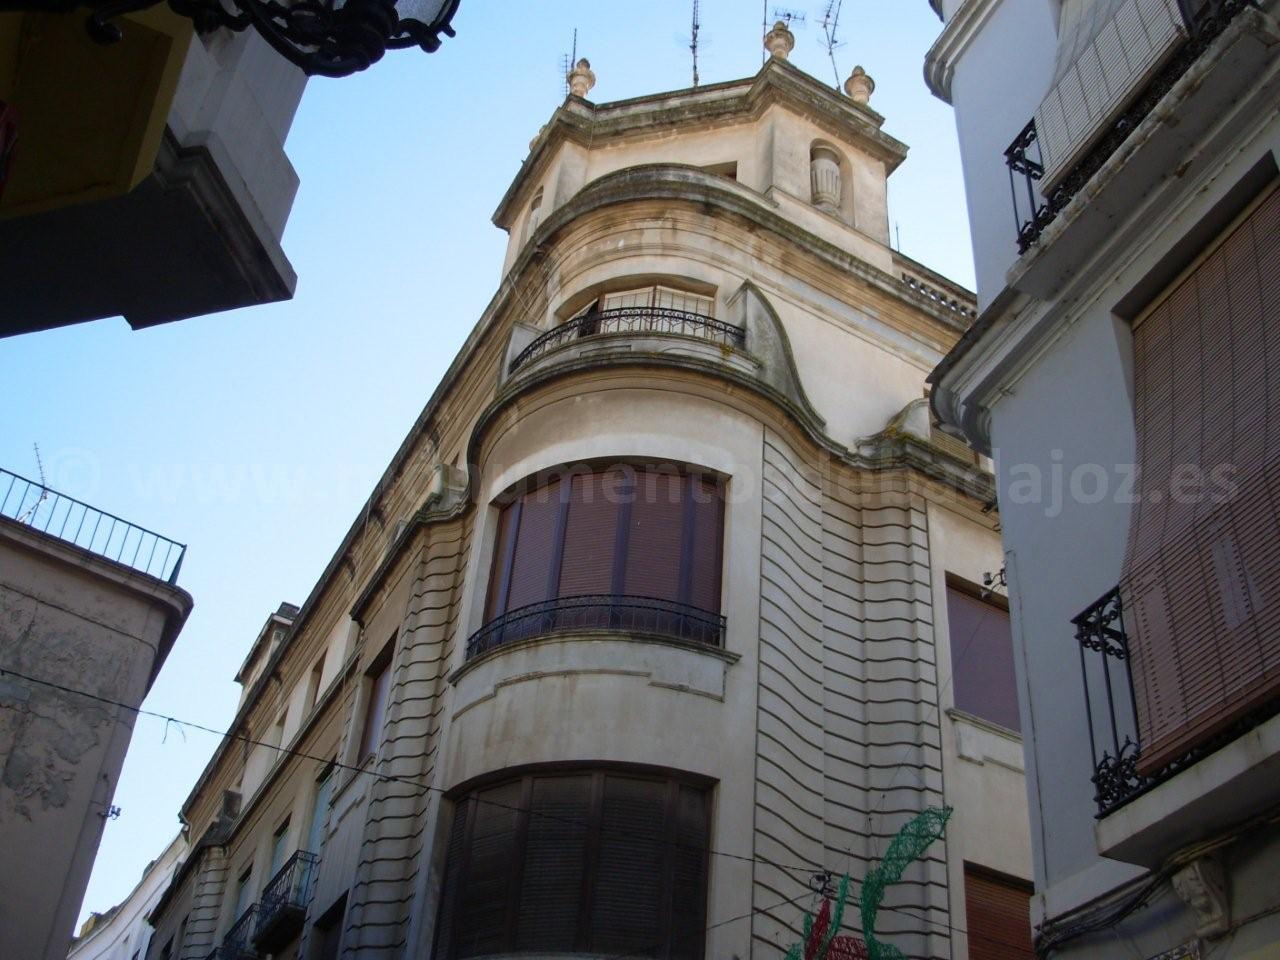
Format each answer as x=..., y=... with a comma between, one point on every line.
x=1201, y=585
x=707, y=538
x=627, y=902
x=655, y=537
x=689, y=876
x=481, y=916
x=998, y=917
x=590, y=533
x=500, y=573
x=983, y=679
x=453, y=863
x=535, y=544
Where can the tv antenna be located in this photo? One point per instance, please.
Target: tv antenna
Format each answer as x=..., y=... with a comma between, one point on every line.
x=567, y=60
x=830, y=20
x=693, y=41
x=794, y=19
x=30, y=514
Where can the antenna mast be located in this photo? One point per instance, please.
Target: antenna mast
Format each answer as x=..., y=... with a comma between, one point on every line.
x=567, y=61
x=830, y=19
x=693, y=42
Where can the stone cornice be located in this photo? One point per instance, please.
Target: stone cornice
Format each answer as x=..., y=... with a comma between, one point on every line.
x=940, y=61
x=582, y=122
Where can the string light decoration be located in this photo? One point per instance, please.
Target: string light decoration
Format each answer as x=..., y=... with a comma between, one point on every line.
x=821, y=930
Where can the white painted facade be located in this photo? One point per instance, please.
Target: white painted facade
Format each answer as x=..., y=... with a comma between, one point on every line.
x=1045, y=385
x=824, y=720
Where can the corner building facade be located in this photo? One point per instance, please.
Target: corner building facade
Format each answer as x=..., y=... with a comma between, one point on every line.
x=649, y=617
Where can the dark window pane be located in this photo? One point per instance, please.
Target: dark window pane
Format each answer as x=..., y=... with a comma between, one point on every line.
x=688, y=902
x=554, y=864
x=453, y=880
x=708, y=538
x=982, y=659
x=626, y=910
x=501, y=571
x=482, y=914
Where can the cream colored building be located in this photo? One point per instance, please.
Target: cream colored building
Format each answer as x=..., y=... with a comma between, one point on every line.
x=652, y=615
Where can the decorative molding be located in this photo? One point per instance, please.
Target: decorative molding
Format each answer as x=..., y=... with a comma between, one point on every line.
x=940, y=62
x=1202, y=886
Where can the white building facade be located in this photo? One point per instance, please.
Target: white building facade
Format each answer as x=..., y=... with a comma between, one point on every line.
x=123, y=932
x=671, y=599
x=1120, y=162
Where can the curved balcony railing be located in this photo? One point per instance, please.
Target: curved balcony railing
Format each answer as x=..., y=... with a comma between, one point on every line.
x=606, y=613
x=633, y=320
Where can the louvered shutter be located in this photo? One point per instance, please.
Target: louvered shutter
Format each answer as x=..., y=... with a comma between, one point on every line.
x=590, y=534
x=1201, y=583
x=535, y=543
x=707, y=545
x=482, y=912
x=998, y=917
x=983, y=680
x=627, y=898
x=689, y=875
x=1107, y=51
x=453, y=861
x=655, y=536
x=553, y=872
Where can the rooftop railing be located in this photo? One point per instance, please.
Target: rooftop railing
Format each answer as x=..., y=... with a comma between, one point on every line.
x=72, y=521
x=1033, y=210
x=605, y=613
x=633, y=320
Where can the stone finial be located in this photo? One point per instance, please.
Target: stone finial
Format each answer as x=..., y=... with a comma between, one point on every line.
x=581, y=79
x=779, y=41
x=859, y=86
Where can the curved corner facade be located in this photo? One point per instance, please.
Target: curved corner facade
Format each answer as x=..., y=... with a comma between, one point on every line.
x=650, y=618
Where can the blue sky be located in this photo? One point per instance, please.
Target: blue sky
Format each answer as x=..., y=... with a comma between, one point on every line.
x=254, y=436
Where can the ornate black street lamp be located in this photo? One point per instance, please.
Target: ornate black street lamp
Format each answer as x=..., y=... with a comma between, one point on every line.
x=332, y=38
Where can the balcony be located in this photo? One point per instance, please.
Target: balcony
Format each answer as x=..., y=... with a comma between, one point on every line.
x=1222, y=50
x=604, y=613
x=284, y=903
x=237, y=944
x=106, y=535
x=632, y=322
x=1145, y=813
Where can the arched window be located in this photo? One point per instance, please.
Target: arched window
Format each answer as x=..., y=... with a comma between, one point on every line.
x=535, y=215
x=627, y=549
x=594, y=862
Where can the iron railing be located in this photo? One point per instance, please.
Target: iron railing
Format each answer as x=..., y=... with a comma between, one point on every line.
x=237, y=944
x=97, y=531
x=1111, y=711
x=286, y=894
x=633, y=320
x=1206, y=20
x=600, y=612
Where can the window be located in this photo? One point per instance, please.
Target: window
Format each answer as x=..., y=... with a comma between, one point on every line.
x=376, y=707
x=1201, y=572
x=279, y=848
x=320, y=810
x=619, y=536
x=982, y=676
x=242, y=894
x=328, y=937
x=593, y=862
x=998, y=916
x=654, y=297
x=313, y=684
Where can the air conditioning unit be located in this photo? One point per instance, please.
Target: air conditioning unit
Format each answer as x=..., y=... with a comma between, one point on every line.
x=1107, y=52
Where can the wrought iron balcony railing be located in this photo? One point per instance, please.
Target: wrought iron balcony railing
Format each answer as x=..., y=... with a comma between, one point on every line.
x=606, y=613
x=284, y=902
x=238, y=943
x=1111, y=711
x=1032, y=213
x=633, y=320
x=97, y=531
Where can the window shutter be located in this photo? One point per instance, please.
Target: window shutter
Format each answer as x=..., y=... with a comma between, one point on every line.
x=626, y=907
x=554, y=864
x=500, y=573
x=453, y=861
x=1201, y=583
x=998, y=917
x=590, y=533
x=535, y=543
x=654, y=538
x=688, y=900
x=708, y=539
x=983, y=678
x=483, y=910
